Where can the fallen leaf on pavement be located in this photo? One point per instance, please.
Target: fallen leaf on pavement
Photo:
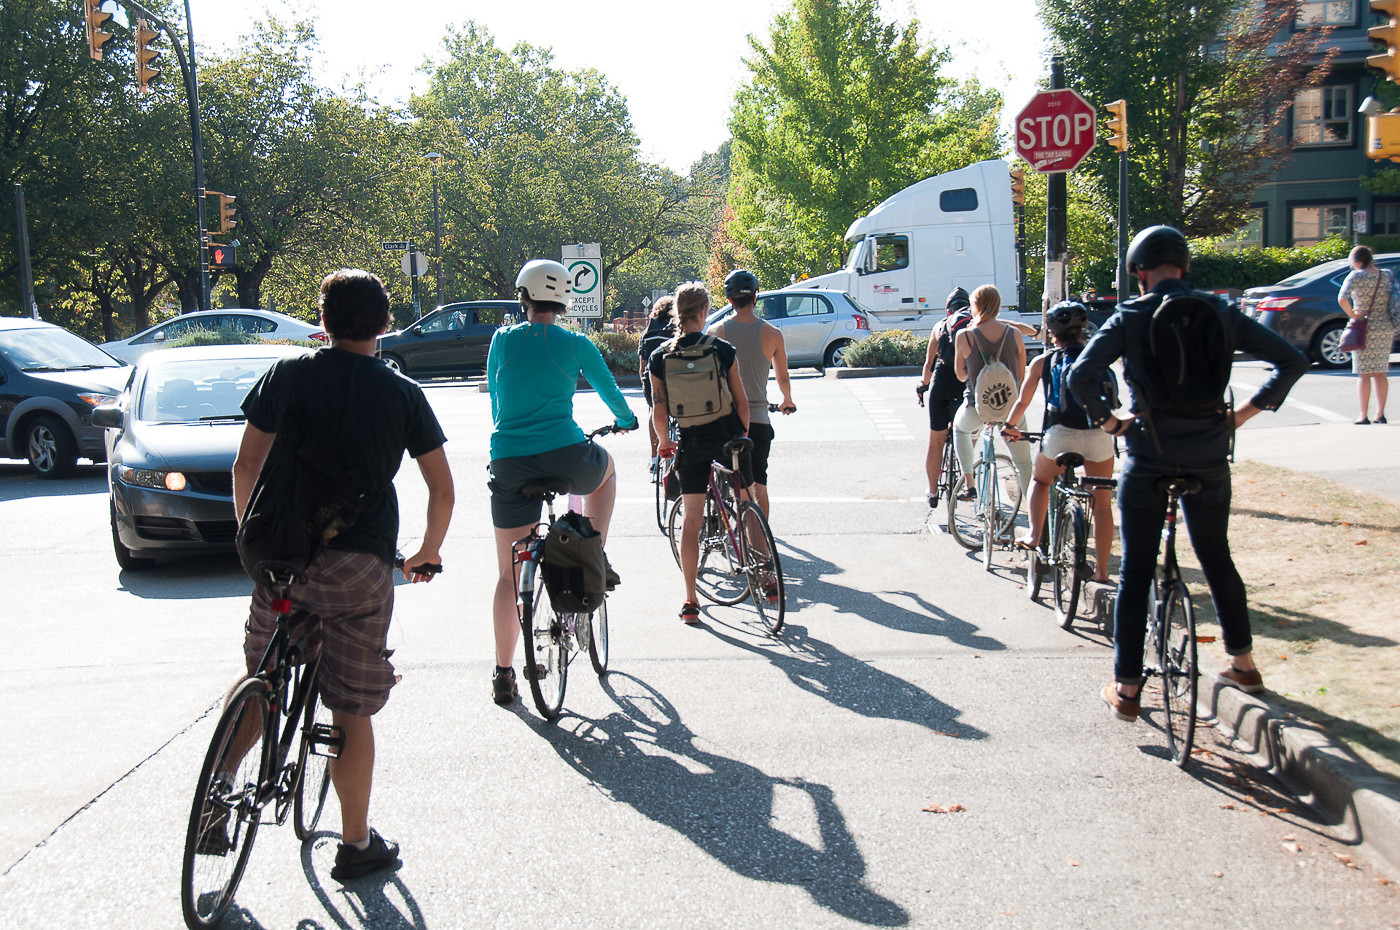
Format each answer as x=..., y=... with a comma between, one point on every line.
x=1228, y=806
x=1072, y=863
x=940, y=809
x=1219, y=874
x=1291, y=847
x=1360, y=542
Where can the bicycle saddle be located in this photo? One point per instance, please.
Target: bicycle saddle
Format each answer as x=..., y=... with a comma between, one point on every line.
x=275, y=572
x=1069, y=460
x=1180, y=485
x=548, y=488
x=738, y=444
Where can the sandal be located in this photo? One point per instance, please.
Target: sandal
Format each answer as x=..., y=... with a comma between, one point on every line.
x=1026, y=543
x=690, y=613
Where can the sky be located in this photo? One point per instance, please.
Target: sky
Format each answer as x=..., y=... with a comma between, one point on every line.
x=677, y=64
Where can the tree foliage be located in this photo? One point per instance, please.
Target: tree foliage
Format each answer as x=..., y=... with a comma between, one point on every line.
x=1208, y=86
x=841, y=110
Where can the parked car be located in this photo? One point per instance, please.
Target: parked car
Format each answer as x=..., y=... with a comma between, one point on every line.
x=50, y=381
x=452, y=340
x=171, y=440
x=817, y=325
x=265, y=324
x=1303, y=309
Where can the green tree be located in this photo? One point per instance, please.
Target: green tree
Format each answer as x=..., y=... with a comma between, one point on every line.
x=1208, y=85
x=841, y=110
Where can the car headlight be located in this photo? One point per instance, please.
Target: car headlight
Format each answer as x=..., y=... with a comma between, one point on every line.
x=96, y=400
x=152, y=478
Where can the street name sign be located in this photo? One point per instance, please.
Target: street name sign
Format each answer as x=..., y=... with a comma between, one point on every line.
x=1056, y=131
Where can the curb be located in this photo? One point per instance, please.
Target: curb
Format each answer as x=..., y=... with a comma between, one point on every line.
x=891, y=370
x=1360, y=802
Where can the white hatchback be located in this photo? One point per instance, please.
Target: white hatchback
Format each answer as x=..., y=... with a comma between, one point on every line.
x=267, y=325
x=817, y=325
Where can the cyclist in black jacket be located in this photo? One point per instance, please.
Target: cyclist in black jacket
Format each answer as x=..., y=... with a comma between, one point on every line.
x=1163, y=443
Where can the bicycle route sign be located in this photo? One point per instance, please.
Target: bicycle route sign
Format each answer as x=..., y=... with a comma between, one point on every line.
x=585, y=265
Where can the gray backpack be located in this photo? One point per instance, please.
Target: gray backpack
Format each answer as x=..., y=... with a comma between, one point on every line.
x=697, y=391
x=994, y=391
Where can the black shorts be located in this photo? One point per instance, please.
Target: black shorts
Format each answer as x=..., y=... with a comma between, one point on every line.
x=941, y=409
x=694, y=457
x=762, y=436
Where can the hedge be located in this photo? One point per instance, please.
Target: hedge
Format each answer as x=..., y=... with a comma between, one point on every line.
x=893, y=347
x=619, y=350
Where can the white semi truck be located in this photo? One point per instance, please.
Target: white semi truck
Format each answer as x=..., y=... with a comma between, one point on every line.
x=955, y=229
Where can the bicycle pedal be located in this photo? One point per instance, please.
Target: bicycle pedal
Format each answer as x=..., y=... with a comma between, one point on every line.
x=327, y=740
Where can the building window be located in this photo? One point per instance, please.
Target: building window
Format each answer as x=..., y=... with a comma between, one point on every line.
x=1385, y=219
x=1322, y=116
x=1248, y=236
x=1311, y=225
x=1326, y=13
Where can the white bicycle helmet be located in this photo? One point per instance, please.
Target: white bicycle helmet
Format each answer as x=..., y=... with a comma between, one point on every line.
x=544, y=280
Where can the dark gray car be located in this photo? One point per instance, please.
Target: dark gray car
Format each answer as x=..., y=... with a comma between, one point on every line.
x=451, y=341
x=50, y=381
x=171, y=441
x=1303, y=309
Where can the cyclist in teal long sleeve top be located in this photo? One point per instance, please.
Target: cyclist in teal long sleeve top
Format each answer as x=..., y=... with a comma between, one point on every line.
x=532, y=371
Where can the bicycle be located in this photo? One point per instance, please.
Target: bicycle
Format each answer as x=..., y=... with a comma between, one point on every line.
x=659, y=472
x=552, y=639
x=738, y=557
x=1171, y=636
x=1064, y=547
x=247, y=767
x=961, y=515
x=986, y=519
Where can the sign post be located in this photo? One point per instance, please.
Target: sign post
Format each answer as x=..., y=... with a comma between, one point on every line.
x=585, y=264
x=414, y=263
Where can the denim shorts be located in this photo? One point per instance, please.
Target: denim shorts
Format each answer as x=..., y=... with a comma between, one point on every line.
x=581, y=466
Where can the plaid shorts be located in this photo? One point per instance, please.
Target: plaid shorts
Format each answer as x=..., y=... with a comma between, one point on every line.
x=343, y=613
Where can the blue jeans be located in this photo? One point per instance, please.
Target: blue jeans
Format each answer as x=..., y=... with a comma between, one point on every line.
x=1142, y=513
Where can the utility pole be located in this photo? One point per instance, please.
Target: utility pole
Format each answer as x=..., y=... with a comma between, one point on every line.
x=26, y=271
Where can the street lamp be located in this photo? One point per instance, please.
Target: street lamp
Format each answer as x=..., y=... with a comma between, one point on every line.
x=436, y=157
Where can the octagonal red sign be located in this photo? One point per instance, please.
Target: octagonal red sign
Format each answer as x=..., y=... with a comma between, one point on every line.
x=1056, y=130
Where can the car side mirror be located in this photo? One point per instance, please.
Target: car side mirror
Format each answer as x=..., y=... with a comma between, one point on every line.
x=158, y=337
x=108, y=416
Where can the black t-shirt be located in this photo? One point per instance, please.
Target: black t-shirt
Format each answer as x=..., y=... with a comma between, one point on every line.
x=657, y=333
x=367, y=414
x=723, y=428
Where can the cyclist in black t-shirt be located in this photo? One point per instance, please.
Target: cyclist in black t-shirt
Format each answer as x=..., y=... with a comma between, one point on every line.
x=661, y=327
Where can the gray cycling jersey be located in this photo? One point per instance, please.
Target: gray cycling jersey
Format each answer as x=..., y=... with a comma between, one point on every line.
x=747, y=339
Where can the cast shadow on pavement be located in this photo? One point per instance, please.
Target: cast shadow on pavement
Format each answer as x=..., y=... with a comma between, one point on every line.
x=805, y=575
x=644, y=756
x=371, y=900
x=821, y=669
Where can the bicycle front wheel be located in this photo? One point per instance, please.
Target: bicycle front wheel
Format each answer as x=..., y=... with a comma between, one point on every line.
x=546, y=653
x=1068, y=557
x=224, y=815
x=658, y=481
x=962, y=515
x=1179, y=672
x=598, y=638
x=313, y=766
x=762, y=566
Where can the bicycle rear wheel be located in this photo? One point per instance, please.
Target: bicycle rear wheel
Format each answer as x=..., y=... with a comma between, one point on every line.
x=763, y=567
x=962, y=515
x=1179, y=672
x=598, y=638
x=224, y=815
x=313, y=766
x=546, y=653
x=1068, y=559
x=658, y=482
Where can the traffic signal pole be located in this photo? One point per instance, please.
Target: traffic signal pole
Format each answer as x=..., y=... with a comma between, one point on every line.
x=187, y=68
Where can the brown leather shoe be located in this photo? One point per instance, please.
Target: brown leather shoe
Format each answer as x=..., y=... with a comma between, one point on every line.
x=1124, y=708
x=1250, y=682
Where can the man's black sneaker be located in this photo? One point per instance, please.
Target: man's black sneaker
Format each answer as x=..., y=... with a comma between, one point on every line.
x=352, y=863
x=503, y=689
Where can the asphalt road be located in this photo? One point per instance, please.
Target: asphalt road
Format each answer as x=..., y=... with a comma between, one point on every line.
x=718, y=777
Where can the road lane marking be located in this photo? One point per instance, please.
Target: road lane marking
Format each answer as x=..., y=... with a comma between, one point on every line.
x=1319, y=412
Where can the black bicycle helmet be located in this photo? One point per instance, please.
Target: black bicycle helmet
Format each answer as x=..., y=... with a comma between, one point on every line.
x=1158, y=245
x=1065, y=317
x=958, y=300
x=741, y=282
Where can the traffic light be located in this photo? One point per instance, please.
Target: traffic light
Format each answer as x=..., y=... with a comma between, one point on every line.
x=1383, y=136
x=95, y=19
x=145, y=56
x=1018, y=185
x=221, y=256
x=226, y=219
x=1117, y=121
x=1388, y=34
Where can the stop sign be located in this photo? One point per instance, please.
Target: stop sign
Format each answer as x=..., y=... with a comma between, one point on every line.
x=1055, y=131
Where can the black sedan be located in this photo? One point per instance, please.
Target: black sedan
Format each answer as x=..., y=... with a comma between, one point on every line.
x=451, y=341
x=171, y=440
x=1303, y=309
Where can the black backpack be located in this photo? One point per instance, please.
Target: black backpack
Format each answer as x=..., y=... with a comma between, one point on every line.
x=1189, y=356
x=947, y=342
x=1061, y=406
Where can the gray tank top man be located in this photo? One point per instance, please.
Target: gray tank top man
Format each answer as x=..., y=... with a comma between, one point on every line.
x=747, y=339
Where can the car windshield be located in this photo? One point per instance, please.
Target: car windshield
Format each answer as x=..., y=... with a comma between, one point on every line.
x=46, y=349
x=195, y=390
